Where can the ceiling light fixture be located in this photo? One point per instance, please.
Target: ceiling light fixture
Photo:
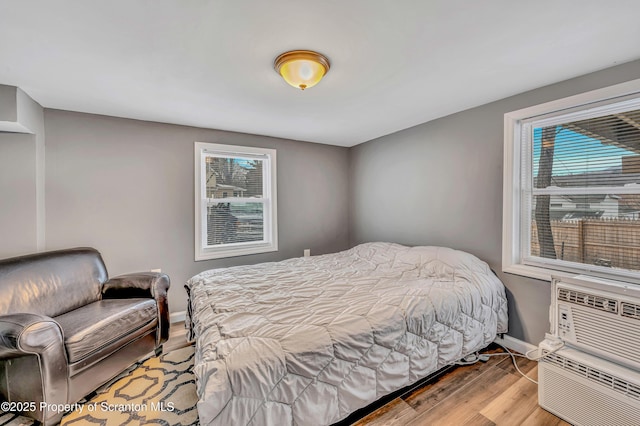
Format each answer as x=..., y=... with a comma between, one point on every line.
x=302, y=68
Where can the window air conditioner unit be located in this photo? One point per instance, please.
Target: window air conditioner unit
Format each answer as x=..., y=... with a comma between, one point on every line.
x=598, y=317
x=586, y=390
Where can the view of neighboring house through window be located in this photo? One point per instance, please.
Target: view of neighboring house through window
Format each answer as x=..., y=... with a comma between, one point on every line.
x=235, y=202
x=575, y=196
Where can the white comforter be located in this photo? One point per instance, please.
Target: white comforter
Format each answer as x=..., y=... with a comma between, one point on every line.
x=310, y=340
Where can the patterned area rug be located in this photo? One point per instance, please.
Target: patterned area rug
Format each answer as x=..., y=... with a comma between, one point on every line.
x=158, y=391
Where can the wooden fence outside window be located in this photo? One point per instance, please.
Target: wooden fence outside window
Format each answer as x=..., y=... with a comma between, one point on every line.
x=604, y=242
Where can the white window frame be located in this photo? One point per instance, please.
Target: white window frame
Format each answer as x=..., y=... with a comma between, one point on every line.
x=269, y=200
x=514, y=237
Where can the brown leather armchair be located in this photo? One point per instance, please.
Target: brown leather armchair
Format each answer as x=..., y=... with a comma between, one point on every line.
x=66, y=328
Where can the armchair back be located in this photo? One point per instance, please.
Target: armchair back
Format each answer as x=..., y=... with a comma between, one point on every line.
x=51, y=283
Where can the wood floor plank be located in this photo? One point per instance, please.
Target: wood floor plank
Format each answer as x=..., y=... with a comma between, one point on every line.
x=483, y=394
x=461, y=406
x=525, y=365
x=515, y=404
x=427, y=397
x=478, y=420
x=395, y=413
x=541, y=417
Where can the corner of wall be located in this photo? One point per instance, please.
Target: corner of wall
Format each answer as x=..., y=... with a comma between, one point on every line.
x=20, y=114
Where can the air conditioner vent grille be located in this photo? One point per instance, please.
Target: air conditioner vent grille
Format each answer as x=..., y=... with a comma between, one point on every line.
x=630, y=310
x=593, y=374
x=584, y=299
x=613, y=336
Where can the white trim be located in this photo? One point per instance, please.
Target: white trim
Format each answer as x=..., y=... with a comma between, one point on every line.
x=534, y=272
x=40, y=192
x=512, y=239
x=179, y=316
x=515, y=344
x=232, y=252
x=510, y=195
x=268, y=200
x=615, y=91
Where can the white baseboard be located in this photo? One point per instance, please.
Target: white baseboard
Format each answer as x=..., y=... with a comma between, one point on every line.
x=515, y=344
x=177, y=317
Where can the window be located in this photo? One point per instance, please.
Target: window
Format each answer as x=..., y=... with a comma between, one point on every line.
x=572, y=186
x=245, y=222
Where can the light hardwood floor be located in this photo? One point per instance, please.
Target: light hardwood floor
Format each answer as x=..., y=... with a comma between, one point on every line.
x=177, y=337
x=483, y=394
x=491, y=393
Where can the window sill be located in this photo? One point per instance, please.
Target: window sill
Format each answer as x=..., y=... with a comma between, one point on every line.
x=244, y=251
x=535, y=272
x=545, y=274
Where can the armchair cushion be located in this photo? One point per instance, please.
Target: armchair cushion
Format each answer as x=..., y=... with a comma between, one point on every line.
x=96, y=326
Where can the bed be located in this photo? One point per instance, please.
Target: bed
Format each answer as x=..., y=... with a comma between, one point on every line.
x=310, y=340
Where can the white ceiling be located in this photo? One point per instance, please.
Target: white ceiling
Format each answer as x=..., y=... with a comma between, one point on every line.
x=394, y=64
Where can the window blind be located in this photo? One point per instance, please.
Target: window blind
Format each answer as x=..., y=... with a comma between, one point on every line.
x=235, y=199
x=582, y=201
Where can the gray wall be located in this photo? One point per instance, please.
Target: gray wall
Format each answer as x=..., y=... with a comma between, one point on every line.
x=21, y=173
x=8, y=103
x=18, y=208
x=440, y=183
x=126, y=188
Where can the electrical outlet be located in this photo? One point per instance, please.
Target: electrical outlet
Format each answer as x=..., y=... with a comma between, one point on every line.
x=307, y=252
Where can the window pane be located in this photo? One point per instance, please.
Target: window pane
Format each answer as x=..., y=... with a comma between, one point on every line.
x=233, y=177
x=234, y=223
x=235, y=213
x=584, y=225
x=602, y=151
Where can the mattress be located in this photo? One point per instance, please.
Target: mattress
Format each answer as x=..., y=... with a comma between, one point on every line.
x=307, y=341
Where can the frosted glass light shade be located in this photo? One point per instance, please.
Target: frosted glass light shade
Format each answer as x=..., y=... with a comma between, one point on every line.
x=302, y=68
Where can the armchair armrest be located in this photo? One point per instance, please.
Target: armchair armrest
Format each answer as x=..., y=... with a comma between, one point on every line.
x=28, y=334
x=143, y=284
x=140, y=284
x=22, y=334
